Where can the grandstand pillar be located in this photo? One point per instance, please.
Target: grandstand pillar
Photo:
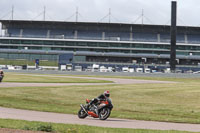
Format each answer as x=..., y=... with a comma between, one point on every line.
x=186, y=38
x=75, y=34
x=173, y=37
x=103, y=35
x=131, y=36
x=21, y=33
x=131, y=33
x=48, y=33
x=158, y=37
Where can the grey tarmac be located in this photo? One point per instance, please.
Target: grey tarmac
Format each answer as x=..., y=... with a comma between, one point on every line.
x=114, y=80
x=9, y=113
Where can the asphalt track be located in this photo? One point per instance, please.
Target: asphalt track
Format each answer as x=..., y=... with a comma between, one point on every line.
x=9, y=113
x=114, y=80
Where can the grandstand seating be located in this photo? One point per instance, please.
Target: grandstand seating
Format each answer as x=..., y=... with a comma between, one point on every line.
x=164, y=37
x=98, y=35
x=90, y=35
x=180, y=38
x=193, y=38
x=117, y=36
x=13, y=32
x=40, y=33
x=55, y=33
x=147, y=37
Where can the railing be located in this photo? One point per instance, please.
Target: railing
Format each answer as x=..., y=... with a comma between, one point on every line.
x=103, y=39
x=83, y=38
x=136, y=64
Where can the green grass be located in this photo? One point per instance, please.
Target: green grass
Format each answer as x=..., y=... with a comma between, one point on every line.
x=14, y=77
x=172, y=102
x=27, y=62
x=69, y=128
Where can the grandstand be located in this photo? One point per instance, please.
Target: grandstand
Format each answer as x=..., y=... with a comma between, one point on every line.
x=106, y=43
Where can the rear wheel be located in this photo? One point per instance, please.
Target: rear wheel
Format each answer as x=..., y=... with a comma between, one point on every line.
x=82, y=114
x=104, y=113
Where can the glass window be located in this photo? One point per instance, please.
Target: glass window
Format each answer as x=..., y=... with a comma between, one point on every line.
x=70, y=44
x=59, y=43
x=81, y=44
x=3, y=41
x=92, y=44
x=55, y=48
x=138, y=45
x=147, y=46
x=68, y=49
x=26, y=42
x=35, y=48
x=34, y=56
x=82, y=49
x=3, y=55
x=114, y=50
x=181, y=53
x=103, y=44
x=37, y=42
x=181, y=47
x=48, y=43
x=125, y=45
x=125, y=51
x=16, y=41
x=114, y=45
x=166, y=46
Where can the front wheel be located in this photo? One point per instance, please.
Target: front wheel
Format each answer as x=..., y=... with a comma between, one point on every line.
x=104, y=113
x=82, y=114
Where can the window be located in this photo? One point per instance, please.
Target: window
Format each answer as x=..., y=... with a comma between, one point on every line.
x=59, y=43
x=26, y=42
x=48, y=43
x=81, y=44
x=92, y=44
x=37, y=42
x=15, y=41
x=125, y=45
x=103, y=44
x=4, y=41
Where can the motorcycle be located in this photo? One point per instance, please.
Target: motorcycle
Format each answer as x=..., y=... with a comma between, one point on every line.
x=99, y=109
x=1, y=78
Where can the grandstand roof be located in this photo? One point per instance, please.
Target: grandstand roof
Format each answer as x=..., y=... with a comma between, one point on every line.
x=93, y=26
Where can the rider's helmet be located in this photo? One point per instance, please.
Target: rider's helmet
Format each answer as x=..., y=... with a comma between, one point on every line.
x=106, y=93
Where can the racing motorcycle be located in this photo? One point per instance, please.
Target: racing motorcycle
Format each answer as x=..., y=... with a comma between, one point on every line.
x=1, y=78
x=1, y=75
x=99, y=109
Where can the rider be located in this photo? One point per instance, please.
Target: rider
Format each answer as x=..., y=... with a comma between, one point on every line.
x=1, y=75
x=101, y=97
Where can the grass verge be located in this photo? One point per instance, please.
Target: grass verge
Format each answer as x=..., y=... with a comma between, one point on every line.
x=69, y=128
x=175, y=102
x=33, y=78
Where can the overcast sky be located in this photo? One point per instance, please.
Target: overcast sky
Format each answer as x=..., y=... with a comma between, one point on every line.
x=122, y=11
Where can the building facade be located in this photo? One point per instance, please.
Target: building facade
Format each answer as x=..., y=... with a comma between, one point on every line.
x=109, y=43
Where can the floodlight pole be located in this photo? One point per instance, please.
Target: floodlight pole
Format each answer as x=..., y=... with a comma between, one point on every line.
x=142, y=16
x=12, y=15
x=173, y=37
x=44, y=13
x=109, y=15
x=76, y=14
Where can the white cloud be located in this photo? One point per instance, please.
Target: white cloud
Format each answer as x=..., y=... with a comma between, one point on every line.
x=157, y=11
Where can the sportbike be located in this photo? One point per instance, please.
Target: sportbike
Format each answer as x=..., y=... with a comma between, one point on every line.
x=99, y=109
